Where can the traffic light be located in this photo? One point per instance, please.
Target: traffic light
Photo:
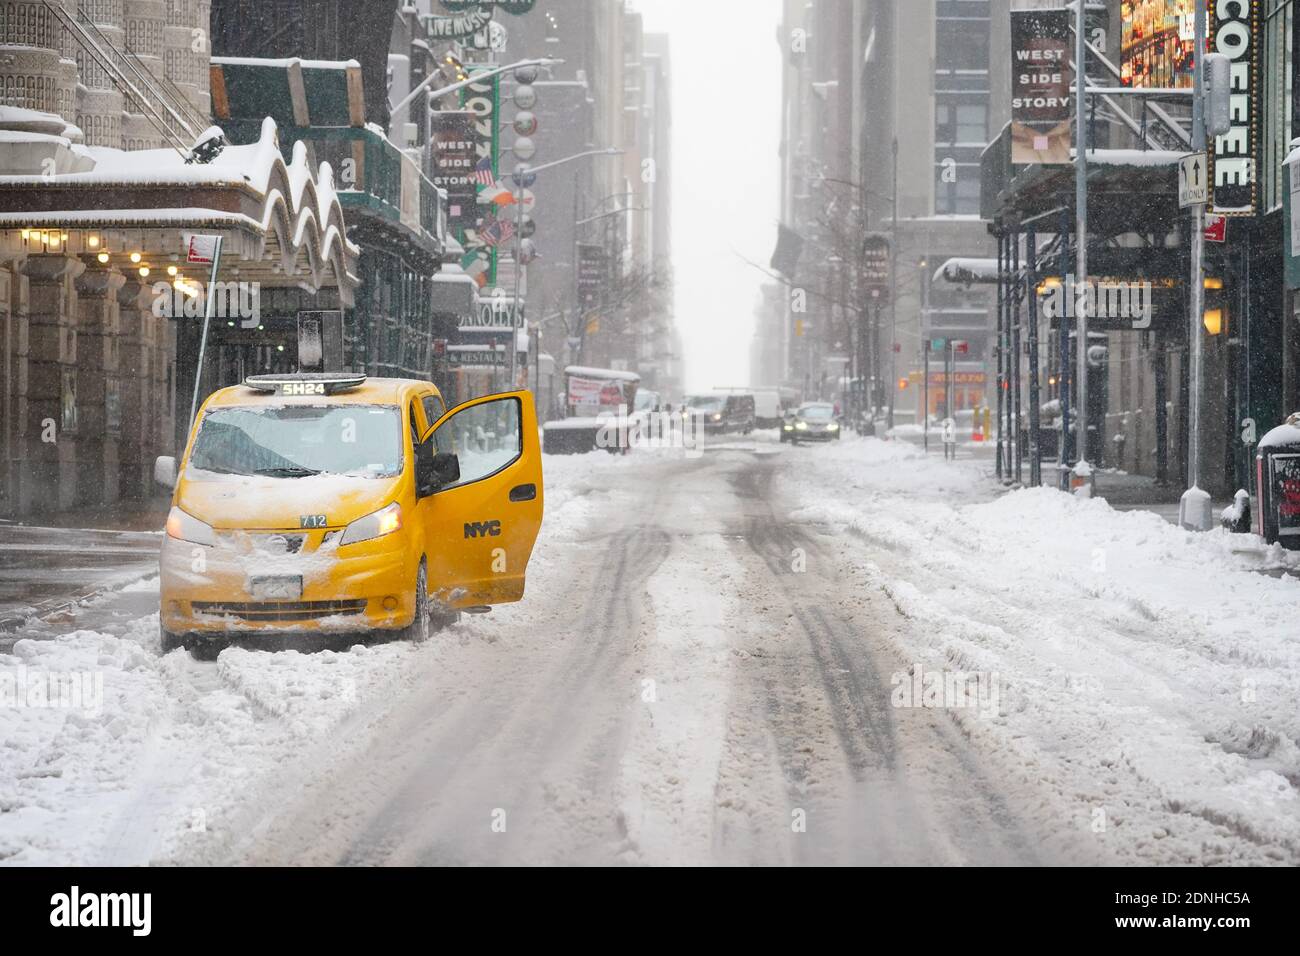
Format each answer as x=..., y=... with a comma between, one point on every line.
x=1215, y=317
x=902, y=384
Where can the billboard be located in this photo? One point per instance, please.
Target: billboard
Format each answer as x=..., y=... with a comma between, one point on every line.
x=1041, y=77
x=1157, y=43
x=452, y=144
x=483, y=99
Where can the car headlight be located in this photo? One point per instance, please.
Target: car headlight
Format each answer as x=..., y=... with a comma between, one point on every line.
x=717, y=417
x=802, y=426
x=185, y=527
x=789, y=428
x=374, y=525
x=832, y=427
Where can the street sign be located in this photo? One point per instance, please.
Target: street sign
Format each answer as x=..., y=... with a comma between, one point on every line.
x=523, y=177
x=525, y=123
x=524, y=148
x=1193, y=183
x=1216, y=228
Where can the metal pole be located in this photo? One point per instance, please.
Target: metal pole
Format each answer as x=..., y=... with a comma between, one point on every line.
x=1081, y=220
x=925, y=346
x=1018, y=463
x=1035, y=399
x=513, y=341
x=1002, y=290
x=1194, y=510
x=925, y=393
x=203, y=340
x=1063, y=381
x=893, y=296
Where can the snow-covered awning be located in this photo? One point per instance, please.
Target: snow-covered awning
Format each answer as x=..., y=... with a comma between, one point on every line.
x=968, y=271
x=585, y=371
x=281, y=224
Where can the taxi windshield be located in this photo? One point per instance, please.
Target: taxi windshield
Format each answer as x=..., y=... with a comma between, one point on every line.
x=297, y=441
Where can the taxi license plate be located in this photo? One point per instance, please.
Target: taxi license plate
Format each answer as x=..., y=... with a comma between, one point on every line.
x=285, y=587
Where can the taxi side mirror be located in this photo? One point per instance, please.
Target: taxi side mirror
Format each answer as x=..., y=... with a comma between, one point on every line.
x=164, y=471
x=434, y=469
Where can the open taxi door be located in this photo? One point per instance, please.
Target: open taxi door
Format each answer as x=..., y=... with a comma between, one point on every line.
x=480, y=467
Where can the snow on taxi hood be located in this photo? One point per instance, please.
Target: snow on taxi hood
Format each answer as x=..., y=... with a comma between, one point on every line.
x=253, y=502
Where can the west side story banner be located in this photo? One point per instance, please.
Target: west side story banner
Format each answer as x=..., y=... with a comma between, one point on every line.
x=1041, y=77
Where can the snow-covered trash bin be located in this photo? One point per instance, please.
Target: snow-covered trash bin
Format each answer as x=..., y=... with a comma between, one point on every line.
x=1236, y=517
x=1277, y=475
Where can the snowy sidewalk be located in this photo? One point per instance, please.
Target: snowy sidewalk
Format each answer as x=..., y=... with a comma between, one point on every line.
x=1149, y=675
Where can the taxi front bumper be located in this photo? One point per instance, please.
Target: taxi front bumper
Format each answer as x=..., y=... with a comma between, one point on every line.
x=255, y=582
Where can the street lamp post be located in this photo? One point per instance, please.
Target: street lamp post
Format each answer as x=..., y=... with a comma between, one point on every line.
x=1194, y=507
x=476, y=78
x=893, y=297
x=1081, y=228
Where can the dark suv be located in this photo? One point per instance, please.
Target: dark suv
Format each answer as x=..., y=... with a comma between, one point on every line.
x=730, y=412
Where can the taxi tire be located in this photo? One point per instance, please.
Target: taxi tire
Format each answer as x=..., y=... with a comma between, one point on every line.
x=421, y=626
x=169, y=641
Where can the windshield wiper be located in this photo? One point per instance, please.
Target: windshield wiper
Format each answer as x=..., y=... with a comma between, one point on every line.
x=287, y=471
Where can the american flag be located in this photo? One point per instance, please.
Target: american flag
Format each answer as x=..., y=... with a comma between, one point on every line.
x=483, y=172
x=498, y=233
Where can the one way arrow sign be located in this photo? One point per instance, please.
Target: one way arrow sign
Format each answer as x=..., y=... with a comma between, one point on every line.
x=1193, y=183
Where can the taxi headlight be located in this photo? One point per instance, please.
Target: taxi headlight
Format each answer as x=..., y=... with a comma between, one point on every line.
x=374, y=525
x=185, y=527
x=802, y=426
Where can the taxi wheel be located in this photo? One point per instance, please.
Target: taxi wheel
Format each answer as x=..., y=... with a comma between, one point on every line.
x=422, y=626
x=169, y=641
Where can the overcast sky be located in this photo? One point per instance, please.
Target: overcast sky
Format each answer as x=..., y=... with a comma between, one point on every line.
x=726, y=86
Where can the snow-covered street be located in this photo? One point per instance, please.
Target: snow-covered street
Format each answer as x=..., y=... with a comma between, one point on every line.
x=763, y=655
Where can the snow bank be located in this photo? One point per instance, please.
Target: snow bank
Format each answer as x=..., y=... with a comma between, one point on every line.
x=1149, y=675
x=112, y=754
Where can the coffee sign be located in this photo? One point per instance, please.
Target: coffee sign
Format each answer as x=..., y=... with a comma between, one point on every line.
x=1234, y=160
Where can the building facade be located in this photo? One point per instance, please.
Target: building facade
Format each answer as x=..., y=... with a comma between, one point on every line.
x=886, y=109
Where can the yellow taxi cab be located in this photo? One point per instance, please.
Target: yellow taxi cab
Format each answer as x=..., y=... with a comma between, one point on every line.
x=334, y=502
